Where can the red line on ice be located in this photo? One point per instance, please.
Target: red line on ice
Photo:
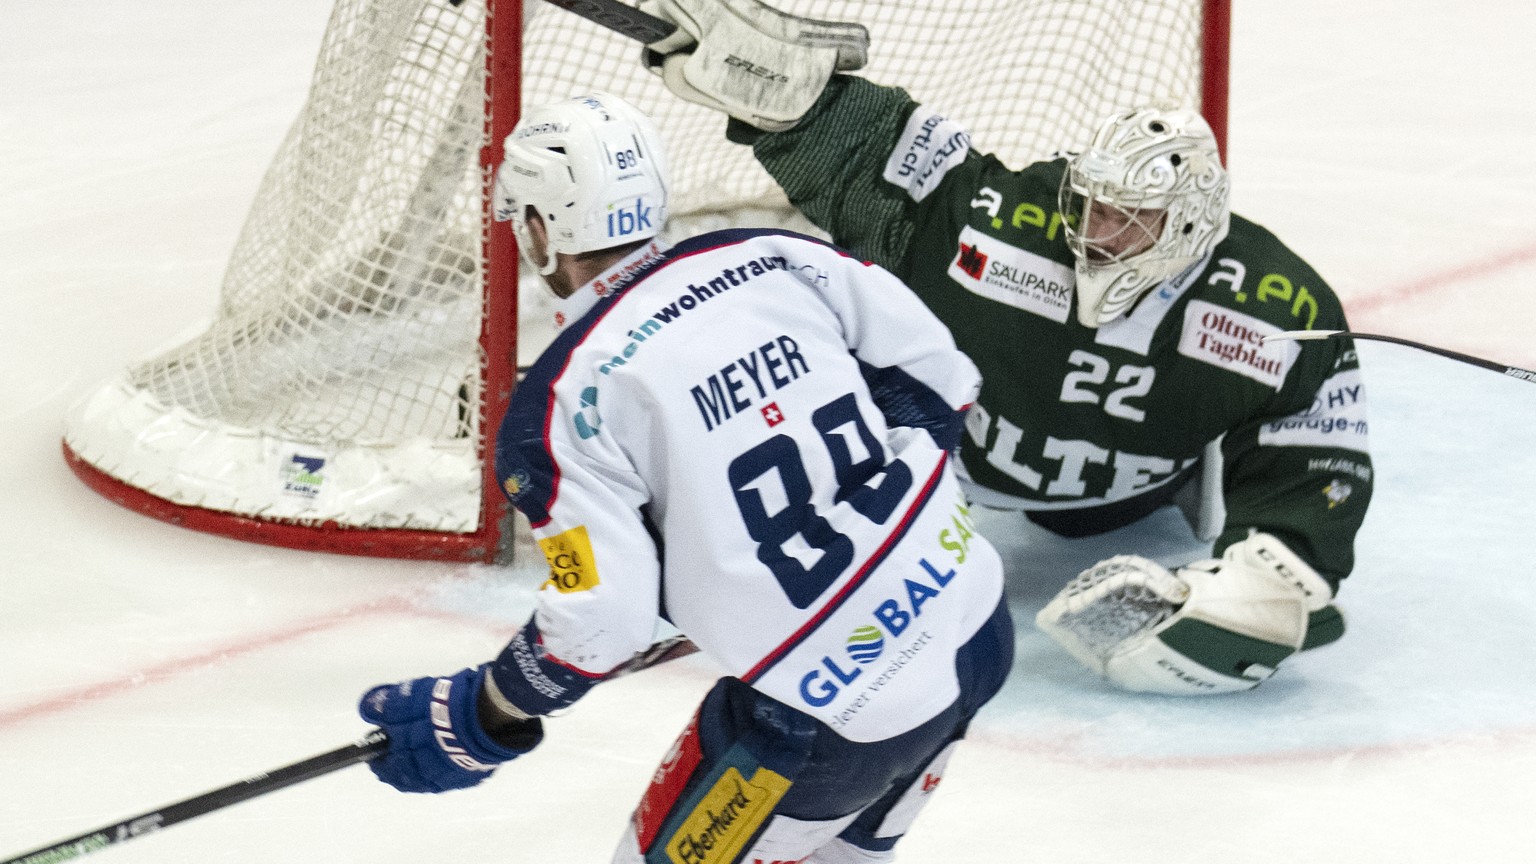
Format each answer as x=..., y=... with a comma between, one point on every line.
x=81, y=695
x=1436, y=282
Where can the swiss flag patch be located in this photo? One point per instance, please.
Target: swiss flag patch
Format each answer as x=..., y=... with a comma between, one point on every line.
x=772, y=414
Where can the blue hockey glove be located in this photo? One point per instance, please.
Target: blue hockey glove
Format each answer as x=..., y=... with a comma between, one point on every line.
x=436, y=740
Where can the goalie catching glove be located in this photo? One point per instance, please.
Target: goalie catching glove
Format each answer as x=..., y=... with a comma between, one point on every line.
x=755, y=63
x=1216, y=626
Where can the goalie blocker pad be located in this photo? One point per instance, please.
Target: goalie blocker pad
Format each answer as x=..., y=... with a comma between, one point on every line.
x=1217, y=626
x=753, y=62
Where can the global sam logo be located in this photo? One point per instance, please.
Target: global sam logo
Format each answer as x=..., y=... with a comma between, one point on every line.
x=865, y=644
x=892, y=616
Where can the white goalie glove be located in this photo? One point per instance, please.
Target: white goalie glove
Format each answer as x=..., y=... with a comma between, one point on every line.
x=1216, y=626
x=753, y=62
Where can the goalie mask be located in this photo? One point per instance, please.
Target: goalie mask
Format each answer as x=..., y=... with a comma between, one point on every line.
x=593, y=169
x=1146, y=200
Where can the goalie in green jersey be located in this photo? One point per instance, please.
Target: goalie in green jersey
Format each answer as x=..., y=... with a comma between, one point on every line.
x=1120, y=334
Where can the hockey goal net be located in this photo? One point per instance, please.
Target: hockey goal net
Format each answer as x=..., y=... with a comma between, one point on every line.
x=346, y=392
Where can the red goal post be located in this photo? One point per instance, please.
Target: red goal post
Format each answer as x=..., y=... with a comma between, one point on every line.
x=346, y=393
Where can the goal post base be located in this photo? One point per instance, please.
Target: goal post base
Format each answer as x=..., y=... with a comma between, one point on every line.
x=347, y=393
x=481, y=546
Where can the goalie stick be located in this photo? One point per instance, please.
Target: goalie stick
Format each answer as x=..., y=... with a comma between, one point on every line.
x=1501, y=368
x=621, y=18
x=365, y=748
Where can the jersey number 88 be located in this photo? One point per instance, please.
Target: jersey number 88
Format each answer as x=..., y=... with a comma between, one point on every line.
x=868, y=485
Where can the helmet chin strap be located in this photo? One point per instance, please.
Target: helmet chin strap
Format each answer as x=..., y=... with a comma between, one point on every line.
x=527, y=243
x=551, y=261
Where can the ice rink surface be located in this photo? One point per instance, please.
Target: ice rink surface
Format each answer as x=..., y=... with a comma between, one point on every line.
x=1393, y=144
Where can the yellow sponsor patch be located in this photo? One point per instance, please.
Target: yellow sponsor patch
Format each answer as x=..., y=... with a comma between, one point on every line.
x=727, y=817
x=571, y=566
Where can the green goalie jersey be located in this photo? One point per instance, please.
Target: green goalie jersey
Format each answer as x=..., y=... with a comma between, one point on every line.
x=1074, y=419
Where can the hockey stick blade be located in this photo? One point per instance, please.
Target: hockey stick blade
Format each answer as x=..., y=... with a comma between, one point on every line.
x=369, y=746
x=1501, y=368
x=621, y=18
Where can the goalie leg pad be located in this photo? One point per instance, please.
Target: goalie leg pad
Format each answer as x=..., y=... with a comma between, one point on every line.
x=1239, y=617
x=1193, y=658
x=1109, y=605
x=1324, y=627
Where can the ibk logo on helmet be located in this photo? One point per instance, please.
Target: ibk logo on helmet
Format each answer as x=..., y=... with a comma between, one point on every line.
x=1337, y=493
x=631, y=219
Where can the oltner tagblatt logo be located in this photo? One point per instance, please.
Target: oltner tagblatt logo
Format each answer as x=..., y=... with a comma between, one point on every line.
x=1234, y=341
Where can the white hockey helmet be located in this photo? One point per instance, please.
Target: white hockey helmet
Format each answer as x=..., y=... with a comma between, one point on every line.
x=1146, y=200
x=592, y=167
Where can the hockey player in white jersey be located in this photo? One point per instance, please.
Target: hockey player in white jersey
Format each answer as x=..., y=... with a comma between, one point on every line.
x=746, y=435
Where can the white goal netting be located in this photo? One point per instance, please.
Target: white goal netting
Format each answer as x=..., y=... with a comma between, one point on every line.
x=343, y=378
x=1026, y=77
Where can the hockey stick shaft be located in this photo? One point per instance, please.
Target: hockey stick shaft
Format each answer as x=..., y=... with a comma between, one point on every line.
x=621, y=18
x=368, y=747
x=251, y=787
x=1501, y=368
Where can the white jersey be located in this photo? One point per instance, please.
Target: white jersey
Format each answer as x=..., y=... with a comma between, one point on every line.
x=747, y=435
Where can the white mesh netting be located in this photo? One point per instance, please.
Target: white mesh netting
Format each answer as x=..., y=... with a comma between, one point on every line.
x=1026, y=77
x=340, y=378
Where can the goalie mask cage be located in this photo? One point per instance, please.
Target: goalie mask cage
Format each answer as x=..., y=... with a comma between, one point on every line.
x=346, y=394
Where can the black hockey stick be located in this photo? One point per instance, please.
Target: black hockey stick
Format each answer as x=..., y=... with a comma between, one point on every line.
x=621, y=18
x=1501, y=368
x=371, y=745
x=250, y=787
